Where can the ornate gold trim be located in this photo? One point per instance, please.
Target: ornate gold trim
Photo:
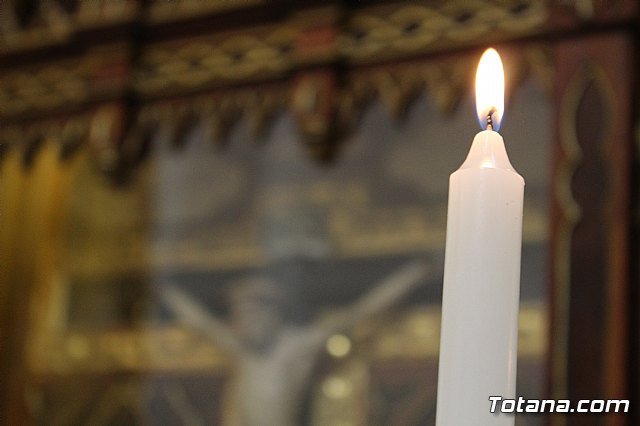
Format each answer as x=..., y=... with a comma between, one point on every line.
x=369, y=32
x=338, y=99
x=258, y=54
x=385, y=32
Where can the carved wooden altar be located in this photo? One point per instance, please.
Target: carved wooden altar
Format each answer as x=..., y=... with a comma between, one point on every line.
x=104, y=76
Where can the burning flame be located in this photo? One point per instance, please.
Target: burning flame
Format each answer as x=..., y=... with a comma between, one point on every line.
x=490, y=89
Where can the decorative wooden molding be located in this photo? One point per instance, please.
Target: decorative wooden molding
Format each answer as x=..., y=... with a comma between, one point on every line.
x=254, y=55
x=390, y=31
x=590, y=247
x=254, y=46
x=179, y=67
x=45, y=88
x=369, y=31
x=326, y=103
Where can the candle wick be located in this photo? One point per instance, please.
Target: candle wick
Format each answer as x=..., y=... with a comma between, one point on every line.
x=490, y=118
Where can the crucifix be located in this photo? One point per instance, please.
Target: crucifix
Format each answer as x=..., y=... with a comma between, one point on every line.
x=275, y=359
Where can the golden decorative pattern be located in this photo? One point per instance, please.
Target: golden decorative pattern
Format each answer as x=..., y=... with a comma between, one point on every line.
x=51, y=23
x=268, y=53
x=44, y=88
x=271, y=53
x=418, y=28
x=445, y=82
x=239, y=57
x=368, y=36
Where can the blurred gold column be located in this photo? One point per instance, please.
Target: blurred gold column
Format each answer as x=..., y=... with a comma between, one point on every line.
x=33, y=205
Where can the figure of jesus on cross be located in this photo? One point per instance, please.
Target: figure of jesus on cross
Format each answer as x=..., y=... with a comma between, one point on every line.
x=275, y=359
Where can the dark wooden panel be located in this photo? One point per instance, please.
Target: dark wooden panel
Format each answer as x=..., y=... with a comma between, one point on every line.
x=590, y=246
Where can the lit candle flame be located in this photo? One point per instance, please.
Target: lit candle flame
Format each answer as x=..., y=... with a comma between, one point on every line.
x=490, y=90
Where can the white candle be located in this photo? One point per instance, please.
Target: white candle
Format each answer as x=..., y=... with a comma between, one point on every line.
x=479, y=332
